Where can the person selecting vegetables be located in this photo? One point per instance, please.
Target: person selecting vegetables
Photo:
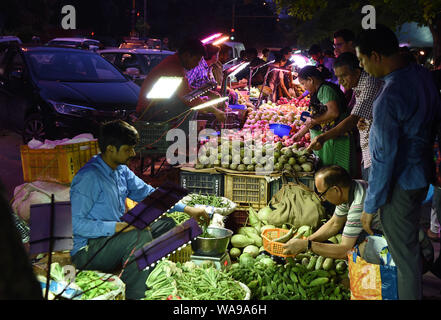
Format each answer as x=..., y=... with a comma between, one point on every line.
x=98, y=193
x=328, y=108
x=334, y=184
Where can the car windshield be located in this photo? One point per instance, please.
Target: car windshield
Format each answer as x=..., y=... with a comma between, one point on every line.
x=64, y=43
x=73, y=67
x=133, y=45
x=152, y=60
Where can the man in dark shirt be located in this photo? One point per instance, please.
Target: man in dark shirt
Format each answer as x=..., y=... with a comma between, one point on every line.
x=176, y=65
x=401, y=147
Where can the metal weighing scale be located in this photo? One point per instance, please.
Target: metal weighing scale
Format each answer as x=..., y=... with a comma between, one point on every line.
x=221, y=262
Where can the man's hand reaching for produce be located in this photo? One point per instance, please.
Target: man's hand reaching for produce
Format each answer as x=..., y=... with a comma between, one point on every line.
x=199, y=214
x=295, y=246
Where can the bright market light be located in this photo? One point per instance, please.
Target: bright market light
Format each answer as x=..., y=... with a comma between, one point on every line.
x=422, y=52
x=221, y=40
x=210, y=38
x=210, y=103
x=164, y=88
x=239, y=68
x=282, y=70
x=299, y=60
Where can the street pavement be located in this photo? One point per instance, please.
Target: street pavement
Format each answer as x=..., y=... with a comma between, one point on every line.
x=11, y=175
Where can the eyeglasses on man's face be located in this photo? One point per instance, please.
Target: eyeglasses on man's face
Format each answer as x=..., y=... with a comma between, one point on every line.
x=321, y=195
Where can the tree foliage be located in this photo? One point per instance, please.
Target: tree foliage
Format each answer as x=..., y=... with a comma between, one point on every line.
x=321, y=17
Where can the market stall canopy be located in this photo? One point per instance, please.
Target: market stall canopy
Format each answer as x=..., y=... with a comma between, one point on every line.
x=412, y=35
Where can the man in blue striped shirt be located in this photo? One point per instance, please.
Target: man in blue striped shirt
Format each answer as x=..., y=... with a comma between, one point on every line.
x=400, y=143
x=98, y=193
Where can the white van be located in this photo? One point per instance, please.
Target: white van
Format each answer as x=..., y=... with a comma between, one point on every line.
x=235, y=50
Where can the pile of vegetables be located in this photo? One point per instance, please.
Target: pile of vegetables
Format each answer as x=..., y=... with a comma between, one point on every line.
x=291, y=159
x=191, y=282
x=90, y=284
x=248, y=239
x=292, y=281
x=234, y=154
x=209, y=200
x=178, y=217
x=93, y=284
x=258, y=122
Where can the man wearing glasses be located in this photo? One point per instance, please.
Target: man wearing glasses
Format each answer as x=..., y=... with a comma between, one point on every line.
x=343, y=42
x=335, y=185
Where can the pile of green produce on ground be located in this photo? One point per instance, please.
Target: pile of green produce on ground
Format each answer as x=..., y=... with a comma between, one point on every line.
x=93, y=284
x=292, y=281
x=188, y=281
x=268, y=157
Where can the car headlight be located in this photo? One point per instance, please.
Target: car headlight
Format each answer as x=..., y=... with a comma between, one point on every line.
x=71, y=109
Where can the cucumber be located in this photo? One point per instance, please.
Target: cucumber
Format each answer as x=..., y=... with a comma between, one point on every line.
x=318, y=264
x=341, y=266
x=305, y=261
x=300, y=256
x=328, y=264
x=285, y=237
x=319, y=281
x=311, y=263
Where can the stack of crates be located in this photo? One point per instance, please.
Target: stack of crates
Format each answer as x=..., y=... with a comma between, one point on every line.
x=203, y=183
x=247, y=190
x=56, y=165
x=152, y=138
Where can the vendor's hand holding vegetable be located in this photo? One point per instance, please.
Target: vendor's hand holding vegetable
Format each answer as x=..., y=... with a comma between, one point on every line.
x=316, y=144
x=199, y=214
x=305, y=129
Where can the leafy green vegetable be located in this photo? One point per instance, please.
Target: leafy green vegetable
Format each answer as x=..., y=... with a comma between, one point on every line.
x=209, y=200
x=92, y=285
x=192, y=282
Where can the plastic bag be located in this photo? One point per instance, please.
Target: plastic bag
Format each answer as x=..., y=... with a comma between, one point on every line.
x=373, y=276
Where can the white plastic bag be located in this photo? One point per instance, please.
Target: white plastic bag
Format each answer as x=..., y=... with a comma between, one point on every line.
x=37, y=192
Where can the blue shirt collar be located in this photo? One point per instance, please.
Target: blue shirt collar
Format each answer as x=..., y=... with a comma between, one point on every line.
x=395, y=73
x=105, y=167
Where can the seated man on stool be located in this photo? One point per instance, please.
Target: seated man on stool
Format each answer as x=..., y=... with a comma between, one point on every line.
x=335, y=185
x=98, y=193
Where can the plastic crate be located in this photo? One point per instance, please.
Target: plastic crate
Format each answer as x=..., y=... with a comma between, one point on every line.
x=203, y=183
x=56, y=165
x=152, y=137
x=237, y=219
x=276, y=185
x=247, y=190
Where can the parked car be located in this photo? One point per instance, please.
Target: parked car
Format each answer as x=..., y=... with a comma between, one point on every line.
x=53, y=92
x=133, y=43
x=81, y=43
x=135, y=63
x=8, y=40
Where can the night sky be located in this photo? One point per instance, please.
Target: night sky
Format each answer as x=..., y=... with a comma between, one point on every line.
x=255, y=22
